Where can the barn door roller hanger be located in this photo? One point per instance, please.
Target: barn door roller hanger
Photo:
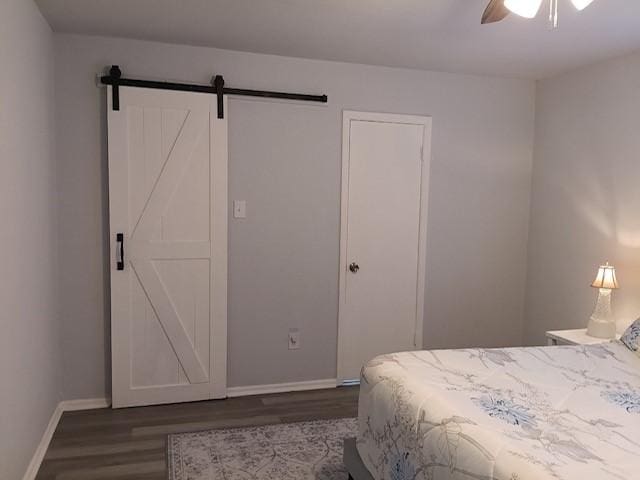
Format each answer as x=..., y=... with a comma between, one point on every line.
x=217, y=88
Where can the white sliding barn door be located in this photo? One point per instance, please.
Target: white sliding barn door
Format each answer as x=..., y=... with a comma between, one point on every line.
x=385, y=168
x=168, y=199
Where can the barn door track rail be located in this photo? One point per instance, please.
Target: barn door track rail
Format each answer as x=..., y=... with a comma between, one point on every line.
x=217, y=88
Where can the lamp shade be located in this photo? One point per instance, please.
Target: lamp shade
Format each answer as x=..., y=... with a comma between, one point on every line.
x=606, y=277
x=524, y=8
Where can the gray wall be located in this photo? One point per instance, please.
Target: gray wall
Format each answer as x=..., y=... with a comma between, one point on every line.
x=30, y=360
x=285, y=161
x=586, y=195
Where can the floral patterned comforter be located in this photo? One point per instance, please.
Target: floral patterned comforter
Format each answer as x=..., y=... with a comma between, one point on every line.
x=539, y=413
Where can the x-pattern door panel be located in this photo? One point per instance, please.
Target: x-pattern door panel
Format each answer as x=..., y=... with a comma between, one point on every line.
x=167, y=161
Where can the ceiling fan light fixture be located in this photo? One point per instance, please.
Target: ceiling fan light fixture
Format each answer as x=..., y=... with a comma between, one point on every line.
x=530, y=8
x=581, y=4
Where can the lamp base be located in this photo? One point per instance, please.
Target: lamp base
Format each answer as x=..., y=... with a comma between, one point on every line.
x=600, y=329
x=602, y=324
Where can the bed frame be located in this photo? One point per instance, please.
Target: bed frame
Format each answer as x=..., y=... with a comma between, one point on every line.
x=353, y=462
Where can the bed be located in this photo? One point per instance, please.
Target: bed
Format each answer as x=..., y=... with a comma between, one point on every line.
x=537, y=413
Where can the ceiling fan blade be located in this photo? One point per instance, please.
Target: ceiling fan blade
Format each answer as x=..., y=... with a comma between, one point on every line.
x=494, y=12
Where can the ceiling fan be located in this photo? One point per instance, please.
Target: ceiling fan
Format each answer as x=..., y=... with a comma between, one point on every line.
x=498, y=9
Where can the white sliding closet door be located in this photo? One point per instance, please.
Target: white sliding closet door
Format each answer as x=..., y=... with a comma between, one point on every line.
x=168, y=204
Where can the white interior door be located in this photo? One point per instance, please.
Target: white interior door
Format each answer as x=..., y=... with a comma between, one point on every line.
x=383, y=236
x=168, y=199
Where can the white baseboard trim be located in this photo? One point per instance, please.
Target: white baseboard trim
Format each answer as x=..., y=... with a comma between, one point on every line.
x=38, y=456
x=64, y=406
x=85, y=404
x=281, y=387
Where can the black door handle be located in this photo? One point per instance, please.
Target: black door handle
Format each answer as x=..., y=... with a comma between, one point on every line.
x=120, y=249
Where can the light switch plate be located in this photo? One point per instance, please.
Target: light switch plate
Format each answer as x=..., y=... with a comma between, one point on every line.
x=294, y=339
x=239, y=209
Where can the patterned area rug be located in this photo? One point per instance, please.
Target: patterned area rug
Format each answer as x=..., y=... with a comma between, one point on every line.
x=290, y=451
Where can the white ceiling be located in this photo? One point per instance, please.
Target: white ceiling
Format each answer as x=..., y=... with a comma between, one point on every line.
x=443, y=35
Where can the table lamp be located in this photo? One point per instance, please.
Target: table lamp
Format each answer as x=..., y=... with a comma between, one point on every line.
x=602, y=324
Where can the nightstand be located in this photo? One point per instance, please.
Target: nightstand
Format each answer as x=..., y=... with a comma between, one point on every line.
x=573, y=337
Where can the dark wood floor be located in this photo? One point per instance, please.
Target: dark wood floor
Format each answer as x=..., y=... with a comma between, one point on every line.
x=131, y=443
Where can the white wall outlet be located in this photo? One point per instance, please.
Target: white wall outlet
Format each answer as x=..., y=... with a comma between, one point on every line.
x=294, y=339
x=239, y=209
